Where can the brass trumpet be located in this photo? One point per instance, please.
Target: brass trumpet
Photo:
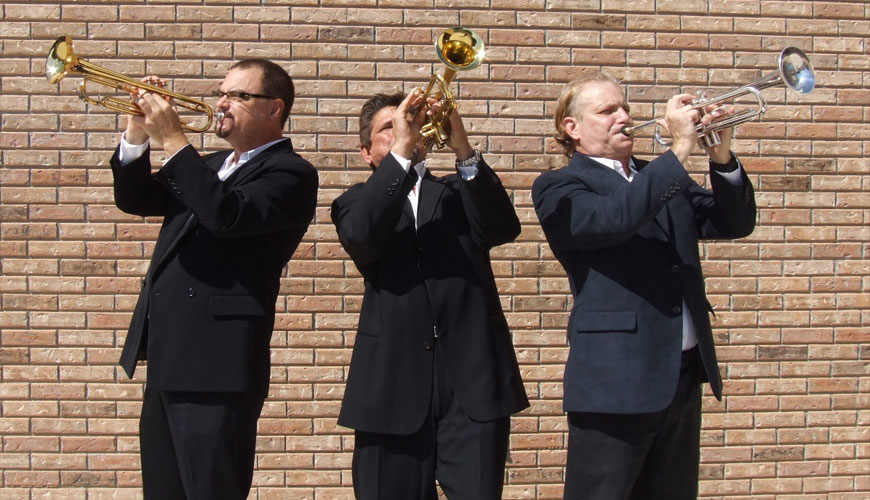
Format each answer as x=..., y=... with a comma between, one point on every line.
x=794, y=72
x=62, y=61
x=459, y=49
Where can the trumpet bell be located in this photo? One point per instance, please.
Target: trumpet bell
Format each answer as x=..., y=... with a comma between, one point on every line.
x=60, y=60
x=460, y=49
x=796, y=70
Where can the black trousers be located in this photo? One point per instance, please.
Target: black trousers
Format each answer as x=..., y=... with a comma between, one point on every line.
x=198, y=445
x=647, y=456
x=465, y=456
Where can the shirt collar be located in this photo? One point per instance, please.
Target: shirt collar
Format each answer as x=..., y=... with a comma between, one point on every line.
x=247, y=155
x=420, y=167
x=616, y=166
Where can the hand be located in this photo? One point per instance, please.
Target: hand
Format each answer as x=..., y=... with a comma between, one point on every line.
x=457, y=139
x=680, y=120
x=407, y=122
x=722, y=153
x=135, y=132
x=161, y=121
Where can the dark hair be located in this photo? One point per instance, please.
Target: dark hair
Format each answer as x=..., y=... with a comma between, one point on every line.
x=369, y=109
x=276, y=82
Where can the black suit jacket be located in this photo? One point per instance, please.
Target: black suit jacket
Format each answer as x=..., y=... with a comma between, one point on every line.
x=438, y=277
x=631, y=254
x=207, y=306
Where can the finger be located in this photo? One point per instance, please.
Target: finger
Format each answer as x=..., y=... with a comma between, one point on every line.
x=416, y=97
x=156, y=81
x=145, y=102
x=406, y=103
x=663, y=124
x=153, y=102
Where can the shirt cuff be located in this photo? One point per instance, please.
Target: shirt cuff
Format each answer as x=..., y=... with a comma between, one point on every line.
x=733, y=176
x=403, y=162
x=468, y=168
x=128, y=153
x=467, y=173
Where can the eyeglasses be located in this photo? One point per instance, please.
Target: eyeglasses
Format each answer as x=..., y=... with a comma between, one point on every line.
x=239, y=96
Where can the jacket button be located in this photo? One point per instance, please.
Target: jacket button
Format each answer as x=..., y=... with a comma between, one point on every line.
x=191, y=292
x=427, y=344
x=675, y=268
x=677, y=309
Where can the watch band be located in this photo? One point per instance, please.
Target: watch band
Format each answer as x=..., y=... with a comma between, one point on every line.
x=470, y=162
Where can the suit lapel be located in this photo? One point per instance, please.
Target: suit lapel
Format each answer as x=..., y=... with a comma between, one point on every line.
x=603, y=179
x=661, y=218
x=252, y=165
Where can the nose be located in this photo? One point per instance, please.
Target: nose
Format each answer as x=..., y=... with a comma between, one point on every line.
x=222, y=105
x=222, y=100
x=623, y=115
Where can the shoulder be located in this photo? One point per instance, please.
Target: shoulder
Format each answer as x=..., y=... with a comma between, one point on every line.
x=552, y=176
x=283, y=156
x=349, y=195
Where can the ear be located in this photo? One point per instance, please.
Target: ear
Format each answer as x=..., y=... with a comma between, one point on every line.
x=277, y=107
x=366, y=153
x=572, y=127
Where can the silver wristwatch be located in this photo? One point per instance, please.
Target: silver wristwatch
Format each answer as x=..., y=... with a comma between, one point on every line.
x=470, y=162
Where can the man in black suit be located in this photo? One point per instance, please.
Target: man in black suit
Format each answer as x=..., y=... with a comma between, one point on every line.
x=231, y=221
x=626, y=231
x=433, y=378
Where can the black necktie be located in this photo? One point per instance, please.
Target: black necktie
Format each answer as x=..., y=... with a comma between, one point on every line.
x=412, y=173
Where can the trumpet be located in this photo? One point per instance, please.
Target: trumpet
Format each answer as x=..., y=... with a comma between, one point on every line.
x=63, y=61
x=794, y=72
x=460, y=49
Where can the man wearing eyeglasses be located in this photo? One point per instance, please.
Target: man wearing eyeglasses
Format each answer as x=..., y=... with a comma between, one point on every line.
x=231, y=221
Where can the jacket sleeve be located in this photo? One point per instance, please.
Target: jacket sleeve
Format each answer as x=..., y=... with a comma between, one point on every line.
x=282, y=196
x=366, y=215
x=488, y=208
x=576, y=218
x=136, y=191
x=726, y=212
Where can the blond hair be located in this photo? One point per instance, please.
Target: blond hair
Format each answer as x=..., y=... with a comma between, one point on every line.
x=569, y=105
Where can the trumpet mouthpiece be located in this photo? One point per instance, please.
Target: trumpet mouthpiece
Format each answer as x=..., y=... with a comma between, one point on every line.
x=219, y=116
x=627, y=130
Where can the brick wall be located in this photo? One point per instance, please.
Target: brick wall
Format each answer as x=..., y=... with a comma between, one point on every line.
x=791, y=300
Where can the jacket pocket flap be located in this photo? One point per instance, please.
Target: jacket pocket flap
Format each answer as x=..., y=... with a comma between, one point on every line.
x=604, y=321
x=235, y=305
